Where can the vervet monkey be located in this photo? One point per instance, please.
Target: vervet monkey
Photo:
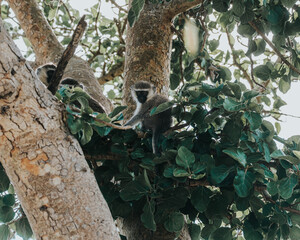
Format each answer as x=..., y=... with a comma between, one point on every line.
x=146, y=98
x=45, y=74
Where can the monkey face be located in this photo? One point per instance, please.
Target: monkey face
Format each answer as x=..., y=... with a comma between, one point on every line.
x=141, y=96
x=45, y=73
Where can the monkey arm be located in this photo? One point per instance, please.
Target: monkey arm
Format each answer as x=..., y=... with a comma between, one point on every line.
x=134, y=120
x=138, y=117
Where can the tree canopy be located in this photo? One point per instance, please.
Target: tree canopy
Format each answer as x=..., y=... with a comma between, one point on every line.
x=220, y=170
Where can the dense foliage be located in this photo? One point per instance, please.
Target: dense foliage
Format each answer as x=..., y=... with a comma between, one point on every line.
x=222, y=170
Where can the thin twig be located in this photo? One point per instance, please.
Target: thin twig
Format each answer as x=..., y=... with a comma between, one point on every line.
x=252, y=73
x=234, y=56
x=274, y=48
x=283, y=114
x=118, y=6
x=108, y=124
x=67, y=55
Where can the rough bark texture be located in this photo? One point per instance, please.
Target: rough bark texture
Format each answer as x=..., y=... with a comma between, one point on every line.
x=48, y=49
x=148, y=52
x=148, y=46
x=46, y=165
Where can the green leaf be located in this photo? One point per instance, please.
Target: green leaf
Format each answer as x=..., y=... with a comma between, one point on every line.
x=221, y=233
x=236, y=88
x=116, y=111
x=232, y=106
x=51, y=14
x=135, y=190
x=131, y=17
x=243, y=182
x=137, y=153
x=238, y=7
x=74, y=124
x=219, y=173
x=278, y=103
x=220, y=5
x=174, y=81
x=211, y=90
x=134, y=11
x=285, y=231
x=174, y=222
x=6, y=214
x=4, y=232
x=179, y=172
x=137, y=6
x=250, y=233
x=263, y=72
x=254, y=119
x=284, y=86
x=200, y=198
x=87, y=133
x=213, y=44
x=174, y=198
x=249, y=95
x=185, y=158
x=23, y=228
x=266, y=152
x=194, y=230
x=237, y=154
x=245, y=30
x=147, y=216
x=4, y=181
x=261, y=46
x=161, y=108
x=287, y=185
x=295, y=232
x=272, y=188
x=9, y=200
x=288, y=3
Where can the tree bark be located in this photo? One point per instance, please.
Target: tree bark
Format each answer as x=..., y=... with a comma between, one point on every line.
x=48, y=49
x=149, y=45
x=46, y=165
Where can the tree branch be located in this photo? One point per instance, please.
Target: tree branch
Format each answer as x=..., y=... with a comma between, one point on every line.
x=118, y=6
x=67, y=55
x=268, y=198
x=235, y=62
x=39, y=33
x=175, y=7
x=115, y=71
x=291, y=66
x=108, y=124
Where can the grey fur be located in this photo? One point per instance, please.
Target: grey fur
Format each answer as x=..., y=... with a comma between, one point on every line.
x=158, y=123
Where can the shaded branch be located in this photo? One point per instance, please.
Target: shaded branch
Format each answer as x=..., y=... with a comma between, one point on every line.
x=39, y=33
x=115, y=71
x=235, y=62
x=67, y=55
x=118, y=6
x=282, y=114
x=291, y=66
x=108, y=124
x=267, y=197
x=175, y=7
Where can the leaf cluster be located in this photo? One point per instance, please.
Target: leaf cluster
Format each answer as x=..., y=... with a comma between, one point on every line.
x=223, y=169
x=12, y=218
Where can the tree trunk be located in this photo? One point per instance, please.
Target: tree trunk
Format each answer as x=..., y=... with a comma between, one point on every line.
x=147, y=57
x=46, y=165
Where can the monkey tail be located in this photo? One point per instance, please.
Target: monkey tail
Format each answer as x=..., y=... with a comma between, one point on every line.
x=155, y=138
